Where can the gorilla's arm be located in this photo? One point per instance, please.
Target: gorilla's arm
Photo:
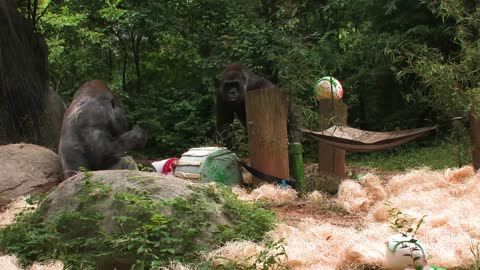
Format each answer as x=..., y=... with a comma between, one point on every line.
x=225, y=116
x=108, y=150
x=134, y=139
x=257, y=82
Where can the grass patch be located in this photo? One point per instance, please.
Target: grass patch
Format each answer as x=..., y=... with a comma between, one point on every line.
x=437, y=154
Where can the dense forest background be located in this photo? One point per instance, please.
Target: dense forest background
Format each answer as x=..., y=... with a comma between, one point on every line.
x=402, y=63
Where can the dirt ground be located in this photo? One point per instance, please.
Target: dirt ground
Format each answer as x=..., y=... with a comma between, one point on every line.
x=294, y=213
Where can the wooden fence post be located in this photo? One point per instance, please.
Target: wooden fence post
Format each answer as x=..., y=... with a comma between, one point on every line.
x=331, y=160
x=267, y=132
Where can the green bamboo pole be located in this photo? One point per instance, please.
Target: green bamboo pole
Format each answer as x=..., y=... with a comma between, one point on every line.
x=296, y=153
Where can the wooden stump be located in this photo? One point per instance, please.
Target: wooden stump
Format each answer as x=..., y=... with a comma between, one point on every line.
x=267, y=132
x=331, y=160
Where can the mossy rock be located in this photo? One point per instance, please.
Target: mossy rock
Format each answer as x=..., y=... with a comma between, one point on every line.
x=128, y=218
x=95, y=191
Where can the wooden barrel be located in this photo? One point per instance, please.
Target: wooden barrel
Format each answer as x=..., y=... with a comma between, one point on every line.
x=210, y=164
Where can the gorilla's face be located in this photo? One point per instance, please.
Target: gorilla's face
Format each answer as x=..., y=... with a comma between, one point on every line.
x=234, y=91
x=234, y=86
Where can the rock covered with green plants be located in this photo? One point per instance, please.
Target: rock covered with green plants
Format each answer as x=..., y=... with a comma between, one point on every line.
x=125, y=219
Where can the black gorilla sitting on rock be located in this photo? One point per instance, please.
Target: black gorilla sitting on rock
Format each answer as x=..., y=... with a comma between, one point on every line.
x=94, y=133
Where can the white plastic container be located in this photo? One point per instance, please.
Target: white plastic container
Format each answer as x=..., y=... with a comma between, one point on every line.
x=399, y=247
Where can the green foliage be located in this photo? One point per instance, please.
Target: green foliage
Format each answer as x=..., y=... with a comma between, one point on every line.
x=153, y=237
x=475, y=250
x=397, y=60
x=251, y=220
x=436, y=154
x=407, y=226
x=164, y=58
x=144, y=168
x=30, y=239
x=403, y=223
x=249, y=224
x=448, y=80
x=151, y=232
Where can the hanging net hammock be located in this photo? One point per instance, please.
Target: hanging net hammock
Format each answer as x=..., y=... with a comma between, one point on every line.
x=357, y=140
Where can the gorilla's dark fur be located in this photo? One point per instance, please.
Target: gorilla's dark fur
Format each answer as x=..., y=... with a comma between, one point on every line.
x=237, y=79
x=94, y=131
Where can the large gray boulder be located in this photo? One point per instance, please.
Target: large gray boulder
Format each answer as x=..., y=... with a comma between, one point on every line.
x=161, y=187
x=27, y=169
x=97, y=191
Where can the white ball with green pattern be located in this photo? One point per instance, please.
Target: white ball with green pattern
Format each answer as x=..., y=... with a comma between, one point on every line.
x=401, y=251
x=325, y=86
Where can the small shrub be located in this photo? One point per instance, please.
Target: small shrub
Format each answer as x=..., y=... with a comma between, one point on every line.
x=251, y=220
x=407, y=226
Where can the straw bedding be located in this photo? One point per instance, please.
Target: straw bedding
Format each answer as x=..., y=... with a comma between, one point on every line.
x=449, y=199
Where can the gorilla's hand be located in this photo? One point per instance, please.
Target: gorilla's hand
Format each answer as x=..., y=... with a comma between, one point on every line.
x=134, y=139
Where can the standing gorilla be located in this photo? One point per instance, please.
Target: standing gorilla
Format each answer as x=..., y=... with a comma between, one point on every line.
x=94, y=132
x=236, y=81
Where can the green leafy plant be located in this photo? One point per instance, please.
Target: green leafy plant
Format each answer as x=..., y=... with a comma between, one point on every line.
x=251, y=220
x=408, y=227
x=403, y=223
x=144, y=168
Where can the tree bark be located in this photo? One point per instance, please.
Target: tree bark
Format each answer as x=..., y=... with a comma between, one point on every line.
x=125, y=57
x=136, y=57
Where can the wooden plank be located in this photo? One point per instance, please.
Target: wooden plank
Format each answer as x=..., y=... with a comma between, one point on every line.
x=267, y=132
